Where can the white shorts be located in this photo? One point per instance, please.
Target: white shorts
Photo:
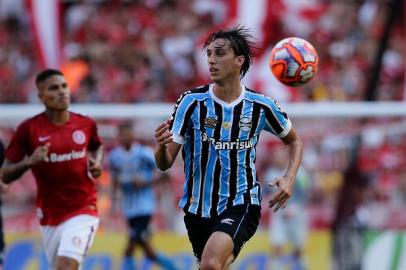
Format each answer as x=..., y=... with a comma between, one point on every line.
x=71, y=238
x=293, y=230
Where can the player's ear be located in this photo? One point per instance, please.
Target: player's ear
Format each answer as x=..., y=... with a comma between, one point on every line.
x=40, y=94
x=40, y=89
x=240, y=60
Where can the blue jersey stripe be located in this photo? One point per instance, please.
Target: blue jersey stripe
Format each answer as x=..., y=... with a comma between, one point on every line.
x=224, y=155
x=233, y=153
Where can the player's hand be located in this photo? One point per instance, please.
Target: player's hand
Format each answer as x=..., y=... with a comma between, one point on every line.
x=39, y=155
x=95, y=168
x=162, y=134
x=280, y=198
x=4, y=187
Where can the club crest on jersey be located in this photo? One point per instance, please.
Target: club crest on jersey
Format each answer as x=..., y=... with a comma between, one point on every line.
x=210, y=122
x=79, y=137
x=245, y=124
x=226, y=125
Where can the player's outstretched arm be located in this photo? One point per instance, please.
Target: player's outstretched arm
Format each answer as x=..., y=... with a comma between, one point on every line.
x=158, y=179
x=166, y=150
x=12, y=171
x=95, y=162
x=286, y=182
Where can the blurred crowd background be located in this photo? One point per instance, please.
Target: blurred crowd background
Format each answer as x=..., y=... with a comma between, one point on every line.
x=149, y=51
x=146, y=51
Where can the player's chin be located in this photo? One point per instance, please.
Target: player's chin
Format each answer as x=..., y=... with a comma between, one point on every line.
x=215, y=78
x=65, y=105
x=95, y=174
x=61, y=106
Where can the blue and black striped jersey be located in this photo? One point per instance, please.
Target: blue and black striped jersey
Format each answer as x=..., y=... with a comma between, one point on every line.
x=125, y=166
x=219, y=141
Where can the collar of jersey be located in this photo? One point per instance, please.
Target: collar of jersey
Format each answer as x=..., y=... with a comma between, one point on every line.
x=223, y=103
x=133, y=148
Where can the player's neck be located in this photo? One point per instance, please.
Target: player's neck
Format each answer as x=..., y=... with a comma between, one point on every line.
x=127, y=147
x=227, y=91
x=57, y=117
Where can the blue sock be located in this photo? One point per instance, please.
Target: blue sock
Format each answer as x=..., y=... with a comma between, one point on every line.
x=165, y=262
x=128, y=263
x=297, y=264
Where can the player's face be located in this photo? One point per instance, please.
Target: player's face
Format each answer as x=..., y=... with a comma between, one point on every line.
x=126, y=137
x=55, y=93
x=222, y=61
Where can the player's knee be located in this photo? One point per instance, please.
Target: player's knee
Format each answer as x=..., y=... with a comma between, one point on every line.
x=64, y=263
x=210, y=264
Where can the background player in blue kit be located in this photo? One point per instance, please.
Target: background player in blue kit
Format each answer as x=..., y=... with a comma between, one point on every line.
x=218, y=126
x=133, y=168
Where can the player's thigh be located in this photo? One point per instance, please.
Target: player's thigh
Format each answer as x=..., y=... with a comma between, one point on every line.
x=240, y=223
x=51, y=236
x=218, y=251
x=77, y=236
x=139, y=228
x=297, y=229
x=65, y=263
x=278, y=230
x=199, y=231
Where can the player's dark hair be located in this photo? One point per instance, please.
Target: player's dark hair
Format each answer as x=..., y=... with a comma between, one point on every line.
x=125, y=125
x=240, y=41
x=45, y=74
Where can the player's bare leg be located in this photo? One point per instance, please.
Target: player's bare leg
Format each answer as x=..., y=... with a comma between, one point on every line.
x=227, y=265
x=128, y=261
x=166, y=263
x=129, y=250
x=148, y=249
x=218, y=252
x=65, y=263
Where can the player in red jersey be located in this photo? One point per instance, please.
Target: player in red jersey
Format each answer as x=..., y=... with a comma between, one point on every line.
x=64, y=152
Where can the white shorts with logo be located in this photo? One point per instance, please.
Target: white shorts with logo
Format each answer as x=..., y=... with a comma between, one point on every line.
x=71, y=238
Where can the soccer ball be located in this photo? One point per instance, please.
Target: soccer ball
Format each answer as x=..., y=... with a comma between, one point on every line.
x=293, y=61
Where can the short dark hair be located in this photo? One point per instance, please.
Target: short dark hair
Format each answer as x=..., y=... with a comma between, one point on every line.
x=45, y=74
x=125, y=125
x=240, y=41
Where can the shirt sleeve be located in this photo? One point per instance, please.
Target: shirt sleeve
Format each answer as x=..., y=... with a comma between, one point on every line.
x=94, y=140
x=276, y=120
x=19, y=144
x=149, y=158
x=114, y=170
x=181, y=115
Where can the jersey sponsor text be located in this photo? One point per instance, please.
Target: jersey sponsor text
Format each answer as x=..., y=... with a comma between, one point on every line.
x=54, y=157
x=228, y=145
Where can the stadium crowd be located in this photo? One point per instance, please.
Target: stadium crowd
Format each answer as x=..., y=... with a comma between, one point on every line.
x=145, y=51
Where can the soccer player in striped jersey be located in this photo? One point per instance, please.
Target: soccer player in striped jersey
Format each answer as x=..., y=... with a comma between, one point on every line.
x=218, y=126
x=133, y=169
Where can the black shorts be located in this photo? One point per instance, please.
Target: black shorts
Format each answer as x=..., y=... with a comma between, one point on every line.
x=240, y=222
x=139, y=228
